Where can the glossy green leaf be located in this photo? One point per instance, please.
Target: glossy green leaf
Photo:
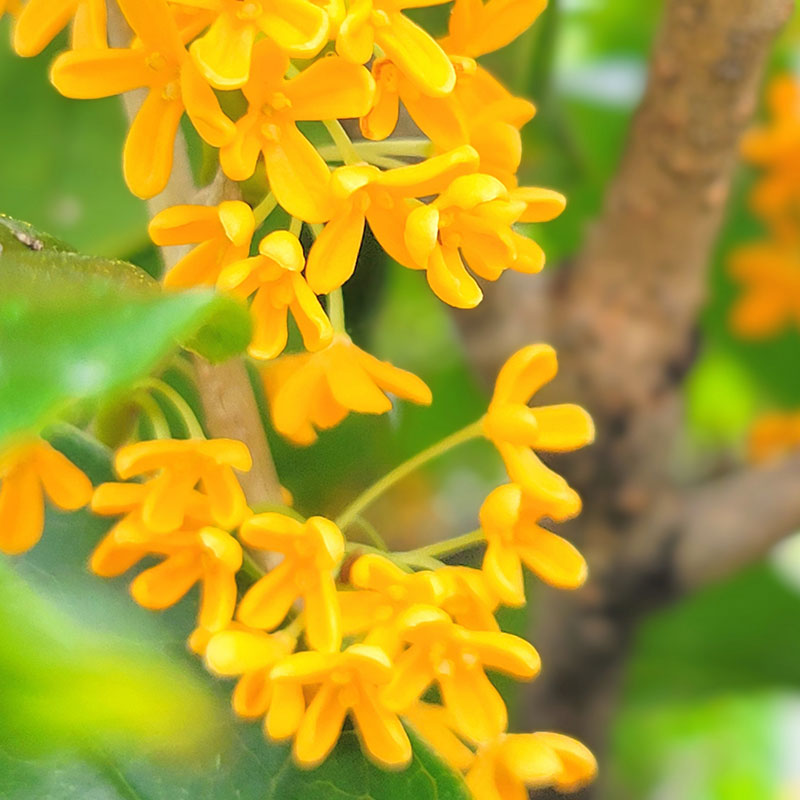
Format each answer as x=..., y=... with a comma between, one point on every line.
x=75, y=328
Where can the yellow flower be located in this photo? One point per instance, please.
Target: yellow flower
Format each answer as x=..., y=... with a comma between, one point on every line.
x=41, y=20
x=316, y=390
x=434, y=725
x=493, y=118
x=209, y=556
x=252, y=655
x=349, y=682
x=774, y=435
x=12, y=7
x=775, y=148
x=515, y=762
x=128, y=499
x=174, y=468
x=364, y=192
x=222, y=233
x=454, y=657
x=387, y=591
x=329, y=88
x=770, y=276
x=311, y=552
x=470, y=600
x=275, y=276
x=471, y=221
x=28, y=471
x=380, y=22
x=439, y=118
x=160, y=63
x=510, y=520
x=299, y=27
x=517, y=430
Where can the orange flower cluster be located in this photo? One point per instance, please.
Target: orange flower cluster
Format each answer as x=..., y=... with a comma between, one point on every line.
x=321, y=632
x=769, y=270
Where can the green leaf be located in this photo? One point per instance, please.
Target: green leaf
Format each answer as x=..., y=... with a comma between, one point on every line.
x=75, y=328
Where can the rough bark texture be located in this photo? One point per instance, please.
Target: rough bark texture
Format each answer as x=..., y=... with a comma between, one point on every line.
x=623, y=318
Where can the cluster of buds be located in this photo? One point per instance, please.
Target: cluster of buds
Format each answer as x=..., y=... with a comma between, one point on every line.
x=316, y=628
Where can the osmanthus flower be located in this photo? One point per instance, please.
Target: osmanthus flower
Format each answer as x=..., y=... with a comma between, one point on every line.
x=775, y=147
x=506, y=768
x=311, y=551
x=251, y=654
x=434, y=724
x=510, y=519
x=493, y=118
x=517, y=430
x=275, y=278
x=40, y=21
x=316, y=390
x=223, y=53
x=439, y=118
x=469, y=599
x=471, y=221
x=363, y=192
x=208, y=556
x=159, y=62
x=773, y=436
x=386, y=591
x=128, y=501
x=769, y=273
x=381, y=22
x=349, y=682
x=450, y=655
x=222, y=234
x=174, y=468
x=329, y=88
x=29, y=470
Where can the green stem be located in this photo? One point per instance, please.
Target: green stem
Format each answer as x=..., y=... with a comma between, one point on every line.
x=372, y=533
x=371, y=494
x=265, y=208
x=250, y=567
x=342, y=141
x=193, y=427
x=448, y=547
x=336, y=310
x=154, y=414
x=295, y=226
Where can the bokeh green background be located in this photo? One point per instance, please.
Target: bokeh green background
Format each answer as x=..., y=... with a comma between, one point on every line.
x=712, y=700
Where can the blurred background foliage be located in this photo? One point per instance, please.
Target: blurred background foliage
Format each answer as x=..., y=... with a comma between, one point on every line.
x=712, y=700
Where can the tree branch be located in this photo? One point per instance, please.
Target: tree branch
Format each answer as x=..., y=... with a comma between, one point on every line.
x=230, y=406
x=735, y=520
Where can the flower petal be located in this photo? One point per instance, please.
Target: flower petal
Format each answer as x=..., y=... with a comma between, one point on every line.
x=332, y=259
x=417, y=55
x=503, y=571
x=298, y=177
x=323, y=618
x=381, y=732
x=285, y=711
x=267, y=602
x=147, y=157
x=235, y=652
x=163, y=585
x=223, y=53
x=563, y=427
x=321, y=726
x=553, y=559
x=473, y=702
x=331, y=88
x=65, y=484
x=21, y=510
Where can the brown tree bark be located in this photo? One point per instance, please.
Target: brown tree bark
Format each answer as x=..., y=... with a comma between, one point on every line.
x=623, y=317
